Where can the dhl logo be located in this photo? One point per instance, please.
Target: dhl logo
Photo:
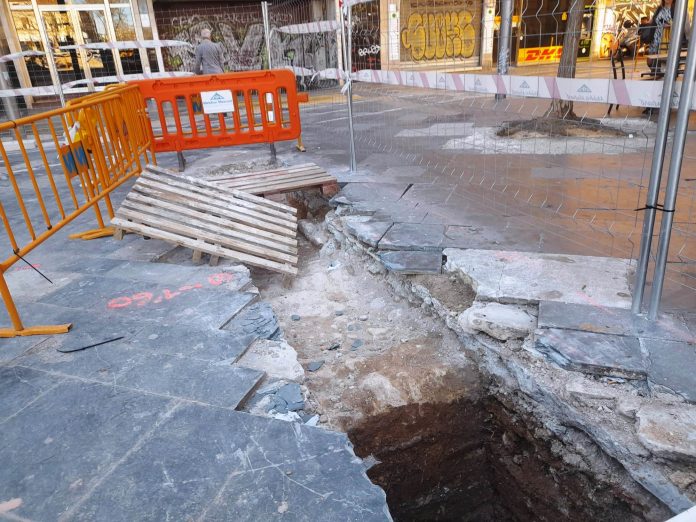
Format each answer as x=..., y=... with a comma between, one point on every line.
x=539, y=54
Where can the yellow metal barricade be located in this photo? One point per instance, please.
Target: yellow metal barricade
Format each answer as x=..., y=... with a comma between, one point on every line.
x=101, y=141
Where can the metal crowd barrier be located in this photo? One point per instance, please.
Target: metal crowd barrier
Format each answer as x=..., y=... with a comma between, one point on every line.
x=101, y=141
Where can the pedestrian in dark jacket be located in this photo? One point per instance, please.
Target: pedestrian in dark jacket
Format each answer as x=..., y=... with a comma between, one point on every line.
x=208, y=56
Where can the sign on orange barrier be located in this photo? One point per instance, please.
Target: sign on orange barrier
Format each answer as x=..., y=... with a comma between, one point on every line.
x=219, y=110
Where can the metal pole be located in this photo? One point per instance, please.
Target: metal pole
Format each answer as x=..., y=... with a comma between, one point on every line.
x=658, y=158
x=504, y=40
x=267, y=36
x=52, y=60
x=349, y=66
x=10, y=104
x=675, y=165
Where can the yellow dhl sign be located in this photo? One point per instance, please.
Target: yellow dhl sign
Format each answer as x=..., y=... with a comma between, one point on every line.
x=539, y=54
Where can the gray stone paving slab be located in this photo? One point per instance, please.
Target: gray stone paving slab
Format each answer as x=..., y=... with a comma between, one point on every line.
x=199, y=343
x=401, y=212
x=141, y=250
x=407, y=236
x=222, y=465
x=369, y=232
x=65, y=441
x=375, y=193
x=409, y=262
x=592, y=353
x=133, y=300
x=672, y=364
x=521, y=277
x=235, y=278
x=428, y=194
x=493, y=237
x=21, y=386
x=617, y=321
x=139, y=366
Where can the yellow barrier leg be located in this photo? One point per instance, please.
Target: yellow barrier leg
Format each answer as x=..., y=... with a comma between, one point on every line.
x=94, y=233
x=18, y=328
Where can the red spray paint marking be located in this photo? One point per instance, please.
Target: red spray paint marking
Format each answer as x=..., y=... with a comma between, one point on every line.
x=142, y=299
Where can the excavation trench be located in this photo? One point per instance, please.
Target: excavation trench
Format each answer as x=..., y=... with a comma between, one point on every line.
x=442, y=438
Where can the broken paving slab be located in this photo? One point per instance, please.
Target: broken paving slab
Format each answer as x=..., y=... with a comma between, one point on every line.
x=411, y=262
x=257, y=319
x=668, y=430
x=617, y=321
x=592, y=353
x=672, y=364
x=368, y=232
x=524, y=277
x=413, y=236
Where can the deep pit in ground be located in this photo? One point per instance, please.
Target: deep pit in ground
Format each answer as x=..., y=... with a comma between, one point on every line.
x=482, y=461
x=442, y=440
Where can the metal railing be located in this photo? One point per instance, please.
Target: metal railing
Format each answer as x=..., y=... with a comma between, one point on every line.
x=101, y=140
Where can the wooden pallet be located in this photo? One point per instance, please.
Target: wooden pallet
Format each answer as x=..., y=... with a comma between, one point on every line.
x=205, y=217
x=275, y=181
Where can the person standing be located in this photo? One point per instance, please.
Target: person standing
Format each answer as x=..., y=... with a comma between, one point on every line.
x=208, y=56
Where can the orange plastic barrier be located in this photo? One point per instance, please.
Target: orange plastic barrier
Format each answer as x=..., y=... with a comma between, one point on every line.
x=219, y=110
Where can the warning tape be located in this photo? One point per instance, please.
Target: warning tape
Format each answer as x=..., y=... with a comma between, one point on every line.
x=128, y=44
x=323, y=26
x=76, y=86
x=23, y=54
x=636, y=93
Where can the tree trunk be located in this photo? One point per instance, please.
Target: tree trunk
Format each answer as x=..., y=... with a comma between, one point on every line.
x=563, y=109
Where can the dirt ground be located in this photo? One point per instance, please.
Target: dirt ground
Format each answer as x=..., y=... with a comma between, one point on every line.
x=378, y=351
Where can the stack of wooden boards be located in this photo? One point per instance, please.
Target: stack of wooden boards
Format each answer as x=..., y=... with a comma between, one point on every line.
x=279, y=180
x=208, y=217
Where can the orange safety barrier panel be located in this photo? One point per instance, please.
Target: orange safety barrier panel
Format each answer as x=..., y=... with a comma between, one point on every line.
x=101, y=141
x=219, y=110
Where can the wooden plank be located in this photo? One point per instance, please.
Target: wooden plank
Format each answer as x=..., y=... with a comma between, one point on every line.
x=274, y=171
x=280, y=227
x=288, y=186
x=266, y=175
x=212, y=189
x=201, y=235
x=191, y=210
x=279, y=177
x=197, y=257
x=216, y=195
x=217, y=250
x=199, y=220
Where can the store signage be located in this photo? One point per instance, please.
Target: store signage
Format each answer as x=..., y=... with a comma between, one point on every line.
x=539, y=55
x=215, y=102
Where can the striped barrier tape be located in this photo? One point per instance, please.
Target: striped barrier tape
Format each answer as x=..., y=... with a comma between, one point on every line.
x=128, y=44
x=76, y=86
x=636, y=93
x=23, y=54
x=323, y=26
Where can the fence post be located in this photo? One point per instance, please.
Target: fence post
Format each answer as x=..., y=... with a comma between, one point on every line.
x=658, y=157
x=675, y=165
x=347, y=41
x=504, y=40
x=267, y=37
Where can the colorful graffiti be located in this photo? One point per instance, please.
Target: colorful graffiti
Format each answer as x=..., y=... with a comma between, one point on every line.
x=433, y=36
x=241, y=37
